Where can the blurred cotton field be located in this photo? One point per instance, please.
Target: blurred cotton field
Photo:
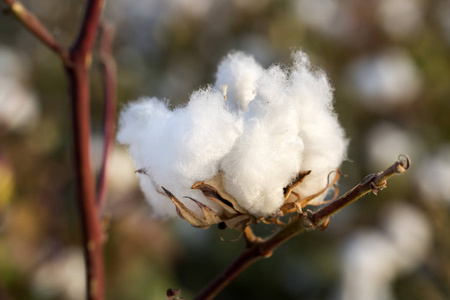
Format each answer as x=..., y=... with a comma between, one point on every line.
x=388, y=63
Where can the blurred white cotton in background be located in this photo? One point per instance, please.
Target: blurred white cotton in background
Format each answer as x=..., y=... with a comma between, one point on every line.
x=121, y=175
x=120, y=169
x=433, y=175
x=62, y=276
x=385, y=141
x=400, y=18
x=194, y=8
x=19, y=108
x=409, y=231
x=273, y=124
x=384, y=81
x=442, y=12
x=372, y=259
x=329, y=17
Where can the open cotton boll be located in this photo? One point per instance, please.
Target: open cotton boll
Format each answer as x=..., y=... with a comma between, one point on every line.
x=239, y=72
x=177, y=148
x=272, y=125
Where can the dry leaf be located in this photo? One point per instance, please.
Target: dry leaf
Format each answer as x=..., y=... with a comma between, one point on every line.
x=210, y=216
x=236, y=221
x=188, y=215
x=213, y=190
x=239, y=222
x=300, y=177
x=296, y=206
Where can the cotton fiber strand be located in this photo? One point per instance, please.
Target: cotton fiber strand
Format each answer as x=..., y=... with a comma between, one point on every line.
x=272, y=124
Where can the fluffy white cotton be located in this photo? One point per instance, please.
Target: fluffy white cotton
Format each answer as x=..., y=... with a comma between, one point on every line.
x=325, y=145
x=177, y=148
x=266, y=156
x=273, y=124
x=239, y=73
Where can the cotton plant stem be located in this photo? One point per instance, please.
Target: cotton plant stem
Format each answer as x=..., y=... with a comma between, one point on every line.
x=33, y=24
x=92, y=232
x=371, y=183
x=78, y=73
x=257, y=250
x=77, y=63
x=108, y=67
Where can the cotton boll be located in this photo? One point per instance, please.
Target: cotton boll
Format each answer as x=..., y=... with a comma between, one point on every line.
x=273, y=124
x=266, y=156
x=239, y=72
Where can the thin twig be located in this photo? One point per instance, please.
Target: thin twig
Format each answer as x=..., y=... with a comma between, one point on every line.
x=108, y=67
x=371, y=183
x=255, y=251
x=29, y=20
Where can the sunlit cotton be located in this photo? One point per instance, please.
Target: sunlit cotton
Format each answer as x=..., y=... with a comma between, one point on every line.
x=257, y=128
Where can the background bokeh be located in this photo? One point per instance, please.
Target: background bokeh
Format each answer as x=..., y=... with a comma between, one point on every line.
x=389, y=62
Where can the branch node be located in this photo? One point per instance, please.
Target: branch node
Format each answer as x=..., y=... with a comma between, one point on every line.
x=307, y=219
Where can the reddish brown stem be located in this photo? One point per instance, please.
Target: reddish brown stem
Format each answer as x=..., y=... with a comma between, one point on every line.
x=247, y=257
x=108, y=66
x=77, y=62
x=30, y=21
x=300, y=223
x=81, y=51
x=92, y=232
x=80, y=55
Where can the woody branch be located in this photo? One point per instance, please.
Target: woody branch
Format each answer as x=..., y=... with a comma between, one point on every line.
x=258, y=248
x=77, y=63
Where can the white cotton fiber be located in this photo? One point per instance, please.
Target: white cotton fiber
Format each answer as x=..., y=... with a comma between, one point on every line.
x=239, y=72
x=324, y=138
x=272, y=125
x=266, y=156
x=176, y=149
